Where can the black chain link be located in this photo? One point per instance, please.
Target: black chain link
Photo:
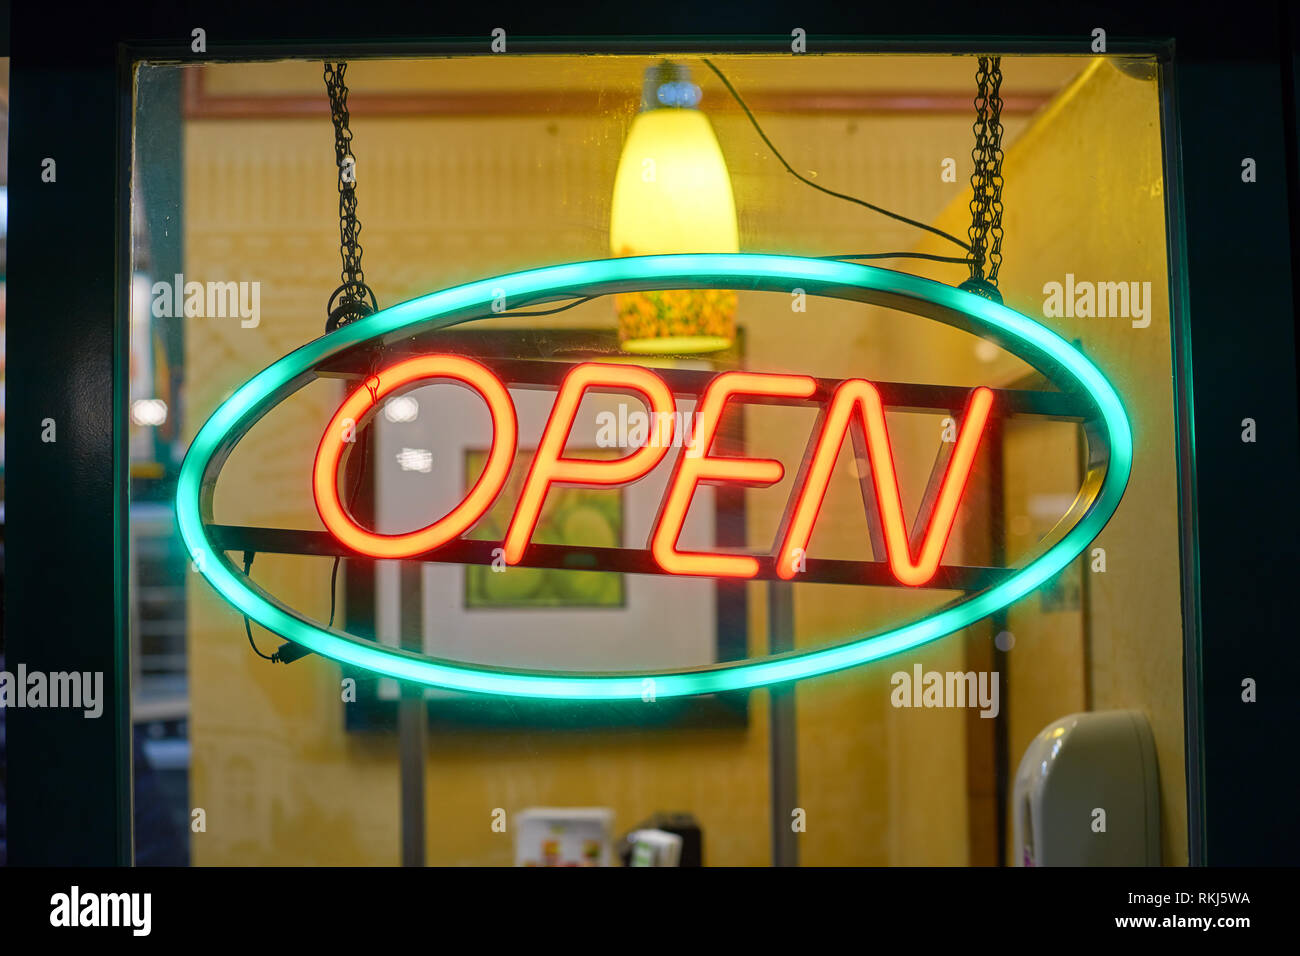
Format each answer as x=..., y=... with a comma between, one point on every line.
x=353, y=299
x=986, y=179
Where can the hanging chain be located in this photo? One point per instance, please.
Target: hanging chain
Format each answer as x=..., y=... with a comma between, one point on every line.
x=353, y=299
x=986, y=180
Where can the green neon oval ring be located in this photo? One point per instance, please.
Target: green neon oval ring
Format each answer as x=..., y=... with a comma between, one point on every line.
x=1110, y=443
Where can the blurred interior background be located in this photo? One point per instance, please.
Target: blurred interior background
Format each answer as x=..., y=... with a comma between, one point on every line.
x=468, y=168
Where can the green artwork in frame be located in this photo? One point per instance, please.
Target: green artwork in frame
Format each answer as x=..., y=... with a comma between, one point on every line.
x=592, y=517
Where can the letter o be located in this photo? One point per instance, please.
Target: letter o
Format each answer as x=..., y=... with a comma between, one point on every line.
x=362, y=403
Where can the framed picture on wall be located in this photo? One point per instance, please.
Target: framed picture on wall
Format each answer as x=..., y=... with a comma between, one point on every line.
x=428, y=448
x=574, y=516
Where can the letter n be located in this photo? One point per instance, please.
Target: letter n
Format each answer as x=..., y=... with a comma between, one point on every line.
x=862, y=397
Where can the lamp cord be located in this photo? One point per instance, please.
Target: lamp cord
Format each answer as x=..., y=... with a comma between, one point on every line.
x=964, y=260
x=248, y=628
x=830, y=192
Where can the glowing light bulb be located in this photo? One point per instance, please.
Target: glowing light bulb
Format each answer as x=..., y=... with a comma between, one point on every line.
x=672, y=194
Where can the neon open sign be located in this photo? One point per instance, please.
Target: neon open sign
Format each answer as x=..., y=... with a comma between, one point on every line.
x=1105, y=425
x=550, y=466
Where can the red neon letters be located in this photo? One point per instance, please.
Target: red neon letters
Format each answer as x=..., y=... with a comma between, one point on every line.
x=694, y=465
x=362, y=403
x=550, y=467
x=699, y=466
x=860, y=395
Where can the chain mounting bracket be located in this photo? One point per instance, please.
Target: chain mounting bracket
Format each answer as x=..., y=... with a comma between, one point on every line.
x=353, y=299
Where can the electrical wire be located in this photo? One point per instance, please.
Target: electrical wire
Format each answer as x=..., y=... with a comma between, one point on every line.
x=334, y=577
x=563, y=308
x=248, y=628
x=900, y=255
x=830, y=192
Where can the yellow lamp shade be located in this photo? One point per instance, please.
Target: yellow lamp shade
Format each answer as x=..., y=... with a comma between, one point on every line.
x=672, y=194
x=677, y=321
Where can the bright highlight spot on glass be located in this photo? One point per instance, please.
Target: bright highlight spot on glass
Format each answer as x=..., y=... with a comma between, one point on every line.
x=415, y=459
x=150, y=412
x=402, y=409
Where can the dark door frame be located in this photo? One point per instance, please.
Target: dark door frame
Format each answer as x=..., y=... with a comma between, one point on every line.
x=1230, y=94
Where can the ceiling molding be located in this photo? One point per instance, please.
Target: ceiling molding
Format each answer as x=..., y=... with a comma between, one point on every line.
x=200, y=104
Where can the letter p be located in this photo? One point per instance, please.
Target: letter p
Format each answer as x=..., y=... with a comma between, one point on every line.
x=550, y=467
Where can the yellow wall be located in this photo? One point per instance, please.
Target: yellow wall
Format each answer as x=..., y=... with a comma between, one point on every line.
x=446, y=200
x=1084, y=195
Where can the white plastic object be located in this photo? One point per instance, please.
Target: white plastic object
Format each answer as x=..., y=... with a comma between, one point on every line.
x=1087, y=793
x=563, y=836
